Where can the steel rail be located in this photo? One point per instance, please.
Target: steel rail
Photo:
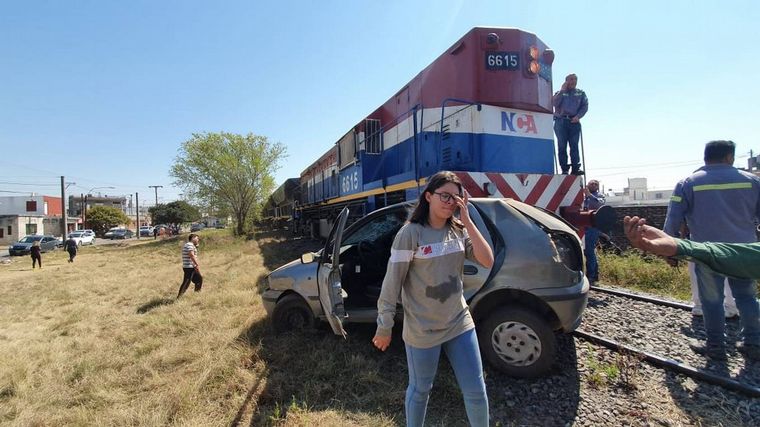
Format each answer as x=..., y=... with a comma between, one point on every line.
x=637, y=297
x=672, y=365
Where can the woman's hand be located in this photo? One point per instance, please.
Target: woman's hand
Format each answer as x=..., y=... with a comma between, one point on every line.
x=382, y=343
x=464, y=214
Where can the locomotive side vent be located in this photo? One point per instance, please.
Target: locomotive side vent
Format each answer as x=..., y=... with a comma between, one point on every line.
x=373, y=131
x=445, y=130
x=446, y=155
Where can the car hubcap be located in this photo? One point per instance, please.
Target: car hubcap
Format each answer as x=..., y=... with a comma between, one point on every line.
x=296, y=319
x=516, y=344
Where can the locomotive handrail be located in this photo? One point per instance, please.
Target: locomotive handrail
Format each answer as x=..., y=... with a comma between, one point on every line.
x=464, y=101
x=383, y=127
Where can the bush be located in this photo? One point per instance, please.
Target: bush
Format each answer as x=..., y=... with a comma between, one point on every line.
x=101, y=218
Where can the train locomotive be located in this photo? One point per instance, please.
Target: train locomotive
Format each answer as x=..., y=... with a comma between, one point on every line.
x=482, y=109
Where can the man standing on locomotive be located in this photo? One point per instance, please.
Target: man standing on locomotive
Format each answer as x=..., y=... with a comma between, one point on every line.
x=570, y=105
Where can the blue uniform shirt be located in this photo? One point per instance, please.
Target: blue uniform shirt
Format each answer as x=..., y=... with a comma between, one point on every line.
x=593, y=201
x=570, y=104
x=719, y=204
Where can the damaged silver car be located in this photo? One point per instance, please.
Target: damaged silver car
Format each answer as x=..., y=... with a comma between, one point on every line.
x=536, y=287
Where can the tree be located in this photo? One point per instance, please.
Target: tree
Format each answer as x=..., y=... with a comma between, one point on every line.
x=230, y=171
x=178, y=212
x=101, y=218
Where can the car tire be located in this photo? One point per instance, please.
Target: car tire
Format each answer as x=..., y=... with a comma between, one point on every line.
x=518, y=342
x=292, y=314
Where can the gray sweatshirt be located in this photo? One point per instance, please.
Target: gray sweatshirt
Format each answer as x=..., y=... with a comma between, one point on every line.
x=425, y=270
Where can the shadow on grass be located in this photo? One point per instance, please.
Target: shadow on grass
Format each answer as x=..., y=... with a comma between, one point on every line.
x=278, y=248
x=154, y=303
x=317, y=370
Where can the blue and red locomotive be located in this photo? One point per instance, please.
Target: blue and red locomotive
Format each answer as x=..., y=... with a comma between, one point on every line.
x=482, y=109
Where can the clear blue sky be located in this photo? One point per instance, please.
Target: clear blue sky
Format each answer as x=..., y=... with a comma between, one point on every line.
x=104, y=92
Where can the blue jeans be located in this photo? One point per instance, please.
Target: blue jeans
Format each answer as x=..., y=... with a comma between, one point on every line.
x=711, y=296
x=464, y=356
x=592, y=266
x=567, y=134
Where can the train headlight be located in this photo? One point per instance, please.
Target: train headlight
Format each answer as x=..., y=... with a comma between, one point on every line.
x=534, y=67
x=533, y=52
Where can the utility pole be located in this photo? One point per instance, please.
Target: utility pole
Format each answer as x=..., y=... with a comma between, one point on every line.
x=63, y=209
x=137, y=209
x=156, y=187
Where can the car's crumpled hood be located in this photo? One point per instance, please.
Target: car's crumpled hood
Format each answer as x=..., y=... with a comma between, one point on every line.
x=546, y=219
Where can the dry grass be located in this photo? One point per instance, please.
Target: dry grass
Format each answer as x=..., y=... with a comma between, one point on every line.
x=103, y=342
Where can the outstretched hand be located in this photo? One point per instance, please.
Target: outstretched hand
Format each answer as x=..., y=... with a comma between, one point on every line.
x=648, y=238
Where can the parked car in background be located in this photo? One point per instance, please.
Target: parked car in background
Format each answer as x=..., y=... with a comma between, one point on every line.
x=89, y=233
x=197, y=226
x=121, y=233
x=536, y=286
x=146, y=230
x=82, y=238
x=109, y=233
x=23, y=246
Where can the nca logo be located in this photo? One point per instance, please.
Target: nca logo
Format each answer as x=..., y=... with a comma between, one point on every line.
x=524, y=122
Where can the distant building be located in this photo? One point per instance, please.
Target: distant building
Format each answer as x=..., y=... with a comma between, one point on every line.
x=77, y=203
x=637, y=193
x=33, y=214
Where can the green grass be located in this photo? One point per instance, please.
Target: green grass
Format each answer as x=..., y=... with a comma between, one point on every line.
x=645, y=273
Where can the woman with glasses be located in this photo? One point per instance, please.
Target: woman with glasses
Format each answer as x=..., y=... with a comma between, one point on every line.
x=425, y=269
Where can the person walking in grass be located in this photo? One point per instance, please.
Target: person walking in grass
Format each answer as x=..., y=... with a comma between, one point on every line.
x=425, y=270
x=36, y=254
x=192, y=272
x=71, y=247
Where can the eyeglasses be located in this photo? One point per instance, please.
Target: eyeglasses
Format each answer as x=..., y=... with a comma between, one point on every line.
x=445, y=197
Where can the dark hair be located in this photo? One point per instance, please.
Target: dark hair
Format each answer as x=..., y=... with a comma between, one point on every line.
x=190, y=237
x=716, y=151
x=422, y=209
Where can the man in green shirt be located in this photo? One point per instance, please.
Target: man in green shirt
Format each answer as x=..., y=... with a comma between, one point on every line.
x=740, y=260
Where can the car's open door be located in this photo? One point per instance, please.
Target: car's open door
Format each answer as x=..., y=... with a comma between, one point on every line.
x=328, y=277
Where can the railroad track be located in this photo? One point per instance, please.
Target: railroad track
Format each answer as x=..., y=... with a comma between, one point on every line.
x=643, y=318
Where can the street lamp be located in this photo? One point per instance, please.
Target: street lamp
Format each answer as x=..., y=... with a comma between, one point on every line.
x=84, y=208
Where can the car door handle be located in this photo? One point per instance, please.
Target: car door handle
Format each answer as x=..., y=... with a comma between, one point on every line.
x=470, y=270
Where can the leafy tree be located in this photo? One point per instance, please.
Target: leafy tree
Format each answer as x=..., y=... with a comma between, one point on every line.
x=230, y=171
x=101, y=218
x=178, y=212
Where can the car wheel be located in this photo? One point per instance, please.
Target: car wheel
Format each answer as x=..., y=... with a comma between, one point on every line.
x=292, y=314
x=518, y=342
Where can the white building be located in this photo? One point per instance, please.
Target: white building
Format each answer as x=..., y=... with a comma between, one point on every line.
x=637, y=193
x=33, y=214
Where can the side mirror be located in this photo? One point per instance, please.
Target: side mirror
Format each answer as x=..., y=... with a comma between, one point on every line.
x=308, y=258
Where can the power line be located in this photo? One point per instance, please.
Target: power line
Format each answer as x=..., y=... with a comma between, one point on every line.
x=26, y=183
